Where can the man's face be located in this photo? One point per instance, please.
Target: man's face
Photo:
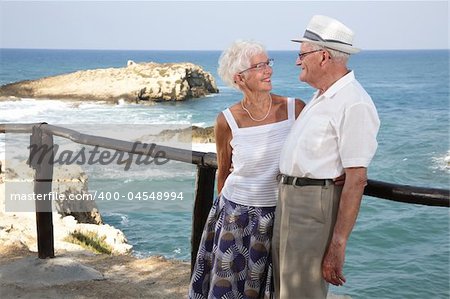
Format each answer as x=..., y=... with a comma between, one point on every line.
x=309, y=61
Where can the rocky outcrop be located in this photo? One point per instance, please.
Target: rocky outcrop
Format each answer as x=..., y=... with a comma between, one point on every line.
x=136, y=82
x=19, y=228
x=74, y=183
x=68, y=180
x=191, y=134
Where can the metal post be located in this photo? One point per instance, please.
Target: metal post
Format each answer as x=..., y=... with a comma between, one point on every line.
x=204, y=193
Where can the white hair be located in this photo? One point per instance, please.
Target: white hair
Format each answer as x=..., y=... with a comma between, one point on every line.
x=236, y=58
x=335, y=54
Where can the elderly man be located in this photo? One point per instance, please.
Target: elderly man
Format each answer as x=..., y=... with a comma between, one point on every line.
x=334, y=134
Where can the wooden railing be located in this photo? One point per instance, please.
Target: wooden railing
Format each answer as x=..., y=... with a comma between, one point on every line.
x=42, y=134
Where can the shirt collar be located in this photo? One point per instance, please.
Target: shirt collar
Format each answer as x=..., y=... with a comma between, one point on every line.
x=339, y=84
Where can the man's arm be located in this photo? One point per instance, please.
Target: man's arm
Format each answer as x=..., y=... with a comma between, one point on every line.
x=352, y=192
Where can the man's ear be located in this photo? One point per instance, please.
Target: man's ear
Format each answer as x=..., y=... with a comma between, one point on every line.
x=325, y=57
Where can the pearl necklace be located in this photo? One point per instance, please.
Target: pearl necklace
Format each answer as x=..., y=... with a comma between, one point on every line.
x=249, y=114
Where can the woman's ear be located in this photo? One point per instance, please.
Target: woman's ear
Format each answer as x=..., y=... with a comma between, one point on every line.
x=238, y=78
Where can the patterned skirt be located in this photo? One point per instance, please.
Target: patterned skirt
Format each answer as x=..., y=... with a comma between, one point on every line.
x=234, y=260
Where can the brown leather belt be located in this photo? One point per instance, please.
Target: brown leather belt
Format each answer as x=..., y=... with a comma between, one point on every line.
x=297, y=181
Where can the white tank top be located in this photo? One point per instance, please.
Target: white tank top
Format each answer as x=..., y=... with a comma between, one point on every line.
x=255, y=158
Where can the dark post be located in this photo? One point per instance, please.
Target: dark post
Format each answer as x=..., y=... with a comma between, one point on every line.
x=204, y=193
x=41, y=159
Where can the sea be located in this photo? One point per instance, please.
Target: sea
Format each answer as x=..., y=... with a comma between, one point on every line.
x=396, y=250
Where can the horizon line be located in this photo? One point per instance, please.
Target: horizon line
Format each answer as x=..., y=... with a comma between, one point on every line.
x=205, y=50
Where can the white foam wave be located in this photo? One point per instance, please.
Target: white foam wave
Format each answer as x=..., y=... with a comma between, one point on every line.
x=90, y=105
x=442, y=162
x=202, y=124
x=155, y=172
x=204, y=147
x=30, y=110
x=125, y=220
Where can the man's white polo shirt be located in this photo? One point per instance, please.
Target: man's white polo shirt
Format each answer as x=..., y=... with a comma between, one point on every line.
x=336, y=130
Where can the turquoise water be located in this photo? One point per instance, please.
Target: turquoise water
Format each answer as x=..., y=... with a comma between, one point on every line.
x=396, y=250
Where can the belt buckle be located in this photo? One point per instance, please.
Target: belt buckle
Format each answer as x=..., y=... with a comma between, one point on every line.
x=280, y=178
x=297, y=182
x=284, y=179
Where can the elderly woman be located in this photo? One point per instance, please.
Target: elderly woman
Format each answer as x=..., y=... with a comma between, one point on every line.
x=234, y=255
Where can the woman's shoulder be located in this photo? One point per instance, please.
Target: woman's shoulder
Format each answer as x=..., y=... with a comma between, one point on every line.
x=282, y=102
x=278, y=98
x=284, y=99
x=279, y=101
x=232, y=112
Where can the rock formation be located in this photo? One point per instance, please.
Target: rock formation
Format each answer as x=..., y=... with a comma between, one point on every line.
x=191, y=134
x=67, y=180
x=20, y=227
x=136, y=82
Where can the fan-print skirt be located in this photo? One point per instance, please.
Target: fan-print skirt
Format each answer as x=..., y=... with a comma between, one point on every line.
x=234, y=260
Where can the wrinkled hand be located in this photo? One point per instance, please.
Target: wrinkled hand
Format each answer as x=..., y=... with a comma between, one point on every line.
x=333, y=264
x=340, y=180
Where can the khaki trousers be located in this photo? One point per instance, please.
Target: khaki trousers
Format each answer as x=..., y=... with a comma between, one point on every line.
x=304, y=222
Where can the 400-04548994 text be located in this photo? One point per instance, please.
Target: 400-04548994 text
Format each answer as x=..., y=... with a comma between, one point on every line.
x=141, y=195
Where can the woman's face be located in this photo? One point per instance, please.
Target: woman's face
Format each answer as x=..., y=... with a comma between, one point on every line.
x=258, y=76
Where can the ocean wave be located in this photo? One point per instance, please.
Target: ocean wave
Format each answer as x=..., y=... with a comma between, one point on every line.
x=204, y=147
x=85, y=112
x=441, y=162
x=200, y=124
x=124, y=219
x=136, y=173
x=30, y=109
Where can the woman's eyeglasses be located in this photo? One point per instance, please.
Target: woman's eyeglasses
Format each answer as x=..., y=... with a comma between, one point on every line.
x=260, y=66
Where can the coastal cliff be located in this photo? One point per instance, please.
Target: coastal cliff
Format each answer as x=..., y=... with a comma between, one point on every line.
x=136, y=82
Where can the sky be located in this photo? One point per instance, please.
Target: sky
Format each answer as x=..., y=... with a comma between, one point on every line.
x=213, y=25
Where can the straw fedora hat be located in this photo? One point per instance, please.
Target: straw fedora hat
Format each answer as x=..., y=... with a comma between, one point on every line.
x=329, y=33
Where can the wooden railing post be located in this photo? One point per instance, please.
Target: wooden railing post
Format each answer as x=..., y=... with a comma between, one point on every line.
x=204, y=193
x=41, y=159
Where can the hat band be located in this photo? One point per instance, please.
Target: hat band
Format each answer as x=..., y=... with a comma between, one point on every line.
x=315, y=37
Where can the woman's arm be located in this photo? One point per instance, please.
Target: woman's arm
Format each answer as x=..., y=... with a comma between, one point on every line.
x=223, y=136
